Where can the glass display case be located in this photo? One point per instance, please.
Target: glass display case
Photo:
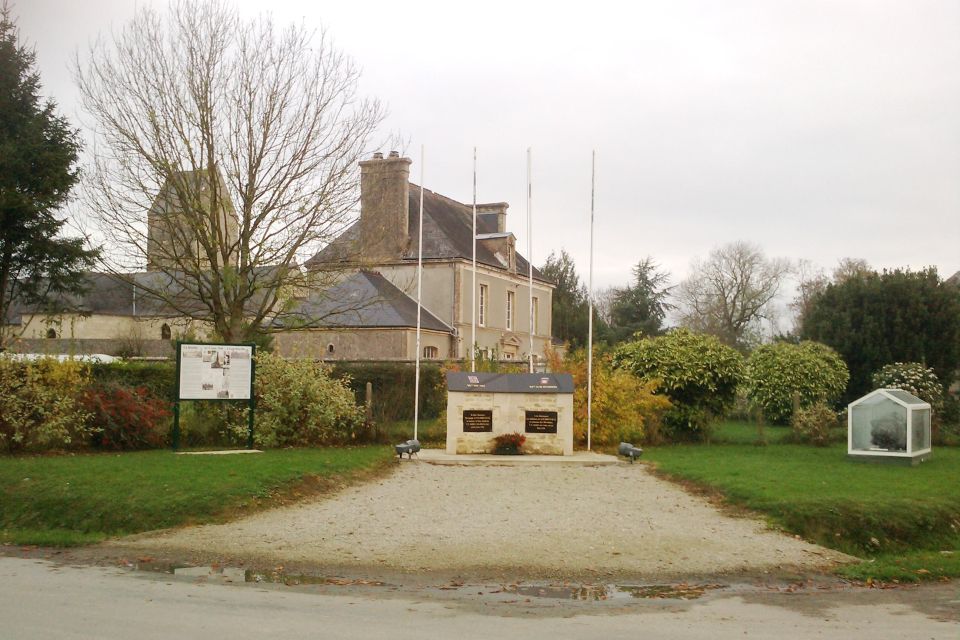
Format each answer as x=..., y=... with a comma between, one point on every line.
x=889, y=424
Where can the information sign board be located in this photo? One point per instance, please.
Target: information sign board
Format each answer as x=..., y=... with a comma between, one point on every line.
x=215, y=371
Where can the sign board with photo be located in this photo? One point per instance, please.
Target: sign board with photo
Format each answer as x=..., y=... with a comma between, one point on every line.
x=221, y=372
x=215, y=371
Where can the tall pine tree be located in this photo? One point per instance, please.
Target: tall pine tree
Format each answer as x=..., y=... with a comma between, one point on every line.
x=38, y=157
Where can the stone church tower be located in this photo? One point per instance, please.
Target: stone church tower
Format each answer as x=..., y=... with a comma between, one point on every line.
x=181, y=227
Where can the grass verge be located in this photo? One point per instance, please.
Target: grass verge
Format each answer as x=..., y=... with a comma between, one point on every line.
x=899, y=518
x=80, y=499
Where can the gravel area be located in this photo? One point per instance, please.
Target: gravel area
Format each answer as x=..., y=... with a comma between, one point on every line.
x=546, y=521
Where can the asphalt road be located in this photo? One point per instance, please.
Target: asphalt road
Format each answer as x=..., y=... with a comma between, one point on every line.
x=39, y=599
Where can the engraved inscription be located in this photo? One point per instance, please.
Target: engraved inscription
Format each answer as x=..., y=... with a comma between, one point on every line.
x=477, y=420
x=541, y=422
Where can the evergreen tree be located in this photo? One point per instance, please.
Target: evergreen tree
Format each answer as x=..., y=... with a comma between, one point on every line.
x=38, y=156
x=873, y=319
x=642, y=305
x=570, y=304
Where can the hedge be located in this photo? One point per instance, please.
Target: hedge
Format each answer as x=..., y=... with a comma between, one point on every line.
x=393, y=384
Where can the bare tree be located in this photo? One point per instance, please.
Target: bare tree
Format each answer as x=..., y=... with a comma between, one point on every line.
x=241, y=139
x=811, y=282
x=848, y=268
x=731, y=292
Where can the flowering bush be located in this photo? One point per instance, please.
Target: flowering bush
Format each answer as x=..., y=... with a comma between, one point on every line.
x=40, y=404
x=919, y=380
x=509, y=444
x=125, y=417
x=697, y=372
x=778, y=374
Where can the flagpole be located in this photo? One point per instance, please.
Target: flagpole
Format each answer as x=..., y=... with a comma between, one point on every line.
x=416, y=384
x=530, y=248
x=473, y=307
x=593, y=182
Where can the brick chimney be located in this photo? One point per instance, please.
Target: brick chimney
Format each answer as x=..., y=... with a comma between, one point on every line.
x=494, y=212
x=384, y=207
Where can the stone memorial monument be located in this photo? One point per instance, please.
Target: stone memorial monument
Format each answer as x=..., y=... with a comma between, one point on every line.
x=482, y=406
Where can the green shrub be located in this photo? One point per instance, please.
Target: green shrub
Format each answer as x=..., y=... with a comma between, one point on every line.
x=625, y=408
x=697, y=372
x=816, y=425
x=125, y=418
x=781, y=373
x=299, y=403
x=40, y=404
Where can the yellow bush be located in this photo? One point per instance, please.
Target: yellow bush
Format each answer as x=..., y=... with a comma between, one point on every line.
x=624, y=408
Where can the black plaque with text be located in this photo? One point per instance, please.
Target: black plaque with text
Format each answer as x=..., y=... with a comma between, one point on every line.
x=478, y=420
x=541, y=422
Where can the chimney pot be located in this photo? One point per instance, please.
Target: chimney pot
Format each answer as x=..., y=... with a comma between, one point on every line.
x=394, y=154
x=378, y=156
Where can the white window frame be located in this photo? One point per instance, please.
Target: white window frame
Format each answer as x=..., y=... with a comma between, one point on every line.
x=511, y=304
x=482, y=307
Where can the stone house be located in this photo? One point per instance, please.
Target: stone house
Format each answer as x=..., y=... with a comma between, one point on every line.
x=383, y=243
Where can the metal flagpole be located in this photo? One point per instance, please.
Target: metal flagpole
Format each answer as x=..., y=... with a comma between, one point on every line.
x=416, y=384
x=593, y=182
x=473, y=308
x=530, y=249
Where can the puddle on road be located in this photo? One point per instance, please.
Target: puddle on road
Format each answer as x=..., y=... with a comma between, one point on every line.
x=588, y=592
x=237, y=575
x=580, y=592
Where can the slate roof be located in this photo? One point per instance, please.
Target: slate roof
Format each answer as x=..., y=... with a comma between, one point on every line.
x=105, y=294
x=364, y=299
x=447, y=230
x=108, y=294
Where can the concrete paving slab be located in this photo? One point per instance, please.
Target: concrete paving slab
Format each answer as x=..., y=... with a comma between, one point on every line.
x=217, y=453
x=579, y=458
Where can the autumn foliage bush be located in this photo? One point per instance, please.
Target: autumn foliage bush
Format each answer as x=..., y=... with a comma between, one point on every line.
x=299, y=403
x=126, y=418
x=40, y=404
x=624, y=408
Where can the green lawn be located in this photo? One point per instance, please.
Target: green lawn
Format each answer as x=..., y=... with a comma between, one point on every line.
x=901, y=518
x=77, y=499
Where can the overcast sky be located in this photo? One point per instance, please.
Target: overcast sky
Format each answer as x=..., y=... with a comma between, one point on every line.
x=815, y=129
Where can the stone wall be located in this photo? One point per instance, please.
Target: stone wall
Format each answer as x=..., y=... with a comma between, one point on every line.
x=87, y=346
x=358, y=344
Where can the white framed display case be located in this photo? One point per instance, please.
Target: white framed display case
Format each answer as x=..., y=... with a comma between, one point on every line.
x=891, y=425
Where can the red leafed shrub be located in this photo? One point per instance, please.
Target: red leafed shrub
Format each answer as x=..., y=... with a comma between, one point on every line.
x=126, y=417
x=510, y=444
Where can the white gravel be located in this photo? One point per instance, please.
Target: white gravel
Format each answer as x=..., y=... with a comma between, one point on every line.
x=545, y=521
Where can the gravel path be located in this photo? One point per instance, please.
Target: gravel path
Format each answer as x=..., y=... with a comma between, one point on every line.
x=542, y=521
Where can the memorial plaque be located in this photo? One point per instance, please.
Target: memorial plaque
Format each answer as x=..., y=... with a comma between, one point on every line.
x=477, y=420
x=541, y=422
